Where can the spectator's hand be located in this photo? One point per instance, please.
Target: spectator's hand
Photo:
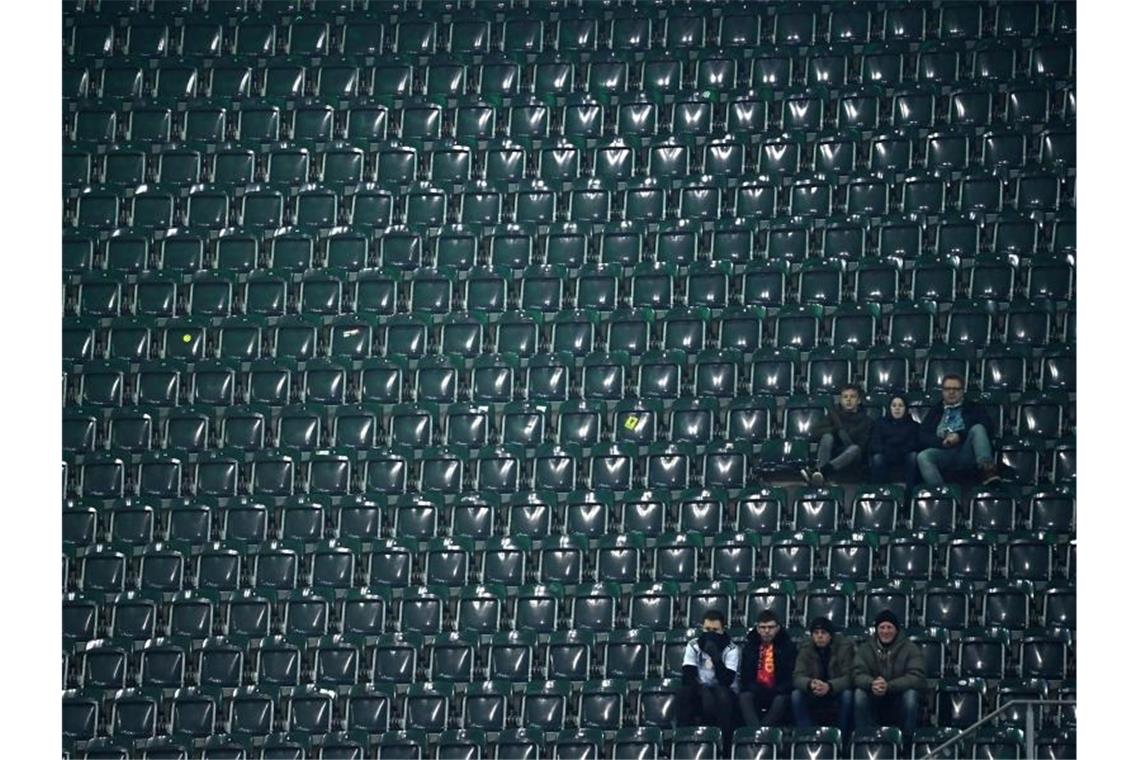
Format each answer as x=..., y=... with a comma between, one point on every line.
x=879, y=687
x=821, y=688
x=951, y=439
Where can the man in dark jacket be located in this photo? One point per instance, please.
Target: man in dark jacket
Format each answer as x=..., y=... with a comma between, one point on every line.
x=848, y=426
x=822, y=677
x=955, y=435
x=766, y=665
x=890, y=676
x=707, y=673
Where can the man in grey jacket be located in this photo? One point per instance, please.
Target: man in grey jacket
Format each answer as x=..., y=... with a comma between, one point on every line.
x=822, y=678
x=890, y=677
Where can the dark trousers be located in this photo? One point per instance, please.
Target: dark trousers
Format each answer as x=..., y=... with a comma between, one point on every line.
x=763, y=707
x=829, y=710
x=884, y=470
x=707, y=706
x=899, y=709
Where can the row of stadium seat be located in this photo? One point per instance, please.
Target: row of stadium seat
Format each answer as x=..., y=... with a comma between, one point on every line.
x=1038, y=558
x=723, y=164
x=340, y=663
x=970, y=137
x=744, y=332
x=459, y=252
x=566, y=29
x=428, y=205
x=482, y=516
x=563, y=468
x=314, y=717
x=994, y=68
x=325, y=421
x=949, y=610
x=190, y=375
x=627, y=742
x=995, y=284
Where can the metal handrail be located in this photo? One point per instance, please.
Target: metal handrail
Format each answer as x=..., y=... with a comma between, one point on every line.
x=1030, y=728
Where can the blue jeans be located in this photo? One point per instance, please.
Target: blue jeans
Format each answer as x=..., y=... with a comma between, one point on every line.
x=844, y=459
x=899, y=709
x=806, y=706
x=973, y=452
x=886, y=471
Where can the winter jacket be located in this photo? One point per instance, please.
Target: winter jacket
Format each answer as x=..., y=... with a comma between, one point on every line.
x=850, y=427
x=902, y=664
x=750, y=661
x=894, y=439
x=839, y=666
x=972, y=414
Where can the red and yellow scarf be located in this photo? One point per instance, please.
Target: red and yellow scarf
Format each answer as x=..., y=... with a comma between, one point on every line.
x=766, y=668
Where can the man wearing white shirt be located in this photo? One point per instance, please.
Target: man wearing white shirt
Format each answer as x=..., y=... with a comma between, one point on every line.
x=707, y=673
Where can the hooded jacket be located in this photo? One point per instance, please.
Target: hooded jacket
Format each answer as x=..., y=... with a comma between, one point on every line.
x=850, y=427
x=972, y=414
x=894, y=438
x=902, y=665
x=839, y=667
x=750, y=661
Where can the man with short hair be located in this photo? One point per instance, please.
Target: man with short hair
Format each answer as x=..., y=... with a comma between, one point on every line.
x=766, y=667
x=955, y=435
x=890, y=676
x=822, y=677
x=707, y=675
x=845, y=425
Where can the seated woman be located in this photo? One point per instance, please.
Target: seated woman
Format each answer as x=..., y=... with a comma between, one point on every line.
x=893, y=445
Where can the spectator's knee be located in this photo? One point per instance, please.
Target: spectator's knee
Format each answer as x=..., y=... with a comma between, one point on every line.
x=910, y=699
x=977, y=429
x=926, y=456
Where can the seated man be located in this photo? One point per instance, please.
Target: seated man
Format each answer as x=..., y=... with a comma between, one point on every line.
x=955, y=435
x=890, y=676
x=823, y=677
x=707, y=674
x=846, y=426
x=766, y=667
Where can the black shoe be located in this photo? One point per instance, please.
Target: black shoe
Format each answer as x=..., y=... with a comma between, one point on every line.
x=990, y=474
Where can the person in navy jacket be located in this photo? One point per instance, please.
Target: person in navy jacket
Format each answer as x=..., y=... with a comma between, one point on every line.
x=894, y=445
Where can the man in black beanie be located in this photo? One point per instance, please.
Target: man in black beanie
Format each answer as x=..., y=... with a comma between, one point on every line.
x=822, y=677
x=890, y=676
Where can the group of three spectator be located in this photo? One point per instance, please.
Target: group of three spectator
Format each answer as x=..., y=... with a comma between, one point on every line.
x=955, y=435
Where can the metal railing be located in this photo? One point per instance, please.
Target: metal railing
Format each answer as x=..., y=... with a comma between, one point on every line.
x=1030, y=725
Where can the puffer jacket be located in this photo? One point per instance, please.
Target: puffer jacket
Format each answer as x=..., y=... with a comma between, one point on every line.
x=902, y=664
x=839, y=667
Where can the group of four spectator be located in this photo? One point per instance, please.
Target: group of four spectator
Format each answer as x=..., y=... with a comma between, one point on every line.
x=827, y=681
